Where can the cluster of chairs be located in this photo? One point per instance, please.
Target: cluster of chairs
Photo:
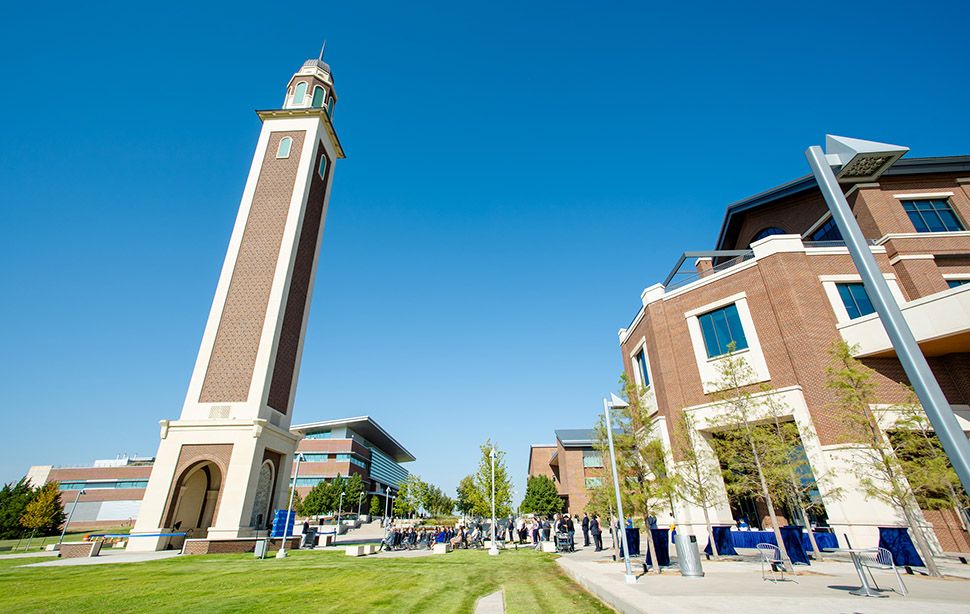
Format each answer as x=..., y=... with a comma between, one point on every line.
x=877, y=558
x=409, y=539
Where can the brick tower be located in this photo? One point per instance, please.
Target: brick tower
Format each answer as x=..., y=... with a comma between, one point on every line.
x=221, y=468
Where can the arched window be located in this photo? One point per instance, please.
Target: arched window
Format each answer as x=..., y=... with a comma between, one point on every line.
x=767, y=232
x=300, y=93
x=318, y=94
x=322, y=169
x=330, y=107
x=283, y=151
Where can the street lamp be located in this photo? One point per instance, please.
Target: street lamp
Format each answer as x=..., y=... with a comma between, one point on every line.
x=387, y=502
x=71, y=515
x=607, y=405
x=859, y=161
x=360, y=499
x=281, y=553
x=493, y=549
x=340, y=508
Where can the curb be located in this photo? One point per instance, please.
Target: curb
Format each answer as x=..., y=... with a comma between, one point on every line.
x=617, y=603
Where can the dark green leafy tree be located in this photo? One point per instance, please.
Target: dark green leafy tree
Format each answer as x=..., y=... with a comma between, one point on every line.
x=541, y=496
x=375, y=506
x=14, y=498
x=465, y=501
x=482, y=480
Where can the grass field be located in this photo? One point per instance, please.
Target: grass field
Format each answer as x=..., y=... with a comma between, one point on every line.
x=304, y=582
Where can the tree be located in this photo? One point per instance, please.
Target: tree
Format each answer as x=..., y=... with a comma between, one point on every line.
x=435, y=502
x=541, y=496
x=324, y=497
x=375, y=506
x=44, y=512
x=748, y=449
x=640, y=460
x=880, y=471
x=699, y=482
x=465, y=501
x=14, y=498
x=405, y=503
x=482, y=502
x=297, y=501
x=354, y=489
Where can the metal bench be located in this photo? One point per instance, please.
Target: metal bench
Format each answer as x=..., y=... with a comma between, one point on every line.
x=880, y=558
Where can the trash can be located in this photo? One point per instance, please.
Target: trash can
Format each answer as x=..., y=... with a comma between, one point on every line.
x=688, y=556
x=262, y=545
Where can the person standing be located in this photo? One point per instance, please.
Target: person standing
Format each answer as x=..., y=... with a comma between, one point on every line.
x=571, y=530
x=585, y=525
x=594, y=528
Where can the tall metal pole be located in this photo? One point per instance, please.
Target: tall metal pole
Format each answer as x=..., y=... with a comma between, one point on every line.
x=360, y=499
x=71, y=515
x=281, y=553
x=387, y=502
x=340, y=508
x=493, y=550
x=927, y=389
x=630, y=578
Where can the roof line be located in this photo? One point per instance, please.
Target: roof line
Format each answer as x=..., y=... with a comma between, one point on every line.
x=380, y=428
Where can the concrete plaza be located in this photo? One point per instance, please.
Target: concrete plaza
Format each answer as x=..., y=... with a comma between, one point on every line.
x=737, y=586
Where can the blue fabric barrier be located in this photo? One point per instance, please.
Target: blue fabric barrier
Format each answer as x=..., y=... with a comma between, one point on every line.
x=897, y=541
x=659, y=537
x=722, y=537
x=632, y=538
x=751, y=539
x=792, y=536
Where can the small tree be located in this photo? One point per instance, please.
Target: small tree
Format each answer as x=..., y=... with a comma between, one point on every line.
x=880, y=472
x=313, y=504
x=541, y=496
x=375, y=506
x=297, y=502
x=466, y=493
x=354, y=489
x=44, y=513
x=748, y=449
x=482, y=503
x=699, y=482
x=640, y=460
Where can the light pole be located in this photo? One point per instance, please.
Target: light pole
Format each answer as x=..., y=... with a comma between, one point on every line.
x=281, y=553
x=617, y=402
x=360, y=499
x=340, y=508
x=387, y=502
x=493, y=549
x=71, y=515
x=860, y=161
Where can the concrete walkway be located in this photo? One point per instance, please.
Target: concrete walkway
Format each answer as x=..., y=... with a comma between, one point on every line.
x=108, y=557
x=737, y=586
x=491, y=604
x=28, y=555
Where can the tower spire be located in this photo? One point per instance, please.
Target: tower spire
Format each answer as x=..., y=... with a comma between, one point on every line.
x=322, y=49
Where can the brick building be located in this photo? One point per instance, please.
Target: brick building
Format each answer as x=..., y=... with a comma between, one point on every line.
x=351, y=446
x=111, y=490
x=781, y=284
x=572, y=463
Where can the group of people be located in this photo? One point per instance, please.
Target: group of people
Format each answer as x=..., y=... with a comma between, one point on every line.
x=413, y=538
x=561, y=527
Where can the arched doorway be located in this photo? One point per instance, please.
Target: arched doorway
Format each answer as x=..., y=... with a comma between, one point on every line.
x=264, y=494
x=195, y=498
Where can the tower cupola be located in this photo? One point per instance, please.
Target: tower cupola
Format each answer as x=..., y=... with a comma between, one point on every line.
x=311, y=87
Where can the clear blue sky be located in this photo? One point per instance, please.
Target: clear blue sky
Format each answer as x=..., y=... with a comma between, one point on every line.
x=516, y=175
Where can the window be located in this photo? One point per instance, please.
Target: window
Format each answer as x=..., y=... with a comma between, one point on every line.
x=827, y=232
x=956, y=283
x=308, y=481
x=934, y=215
x=318, y=95
x=322, y=169
x=315, y=458
x=767, y=232
x=594, y=482
x=855, y=299
x=592, y=458
x=82, y=484
x=641, y=364
x=283, y=151
x=330, y=107
x=320, y=435
x=720, y=328
x=300, y=93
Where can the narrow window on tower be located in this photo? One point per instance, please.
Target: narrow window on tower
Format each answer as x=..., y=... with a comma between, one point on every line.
x=283, y=151
x=322, y=169
x=643, y=374
x=318, y=94
x=330, y=108
x=300, y=93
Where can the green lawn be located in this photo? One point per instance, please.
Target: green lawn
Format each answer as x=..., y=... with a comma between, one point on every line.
x=304, y=582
